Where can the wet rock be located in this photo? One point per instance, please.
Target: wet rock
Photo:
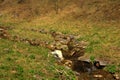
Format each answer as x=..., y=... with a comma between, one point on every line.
x=78, y=66
x=85, y=71
x=81, y=66
x=98, y=65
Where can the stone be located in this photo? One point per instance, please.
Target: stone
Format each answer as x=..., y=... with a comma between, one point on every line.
x=70, y=47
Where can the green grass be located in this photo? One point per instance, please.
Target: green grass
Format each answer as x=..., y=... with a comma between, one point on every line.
x=21, y=61
x=111, y=68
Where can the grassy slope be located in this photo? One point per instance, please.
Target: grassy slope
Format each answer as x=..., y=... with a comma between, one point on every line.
x=22, y=61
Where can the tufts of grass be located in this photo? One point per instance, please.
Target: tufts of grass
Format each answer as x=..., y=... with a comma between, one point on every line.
x=22, y=61
x=111, y=68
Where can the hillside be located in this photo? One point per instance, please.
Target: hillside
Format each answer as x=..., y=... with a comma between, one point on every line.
x=96, y=22
x=100, y=10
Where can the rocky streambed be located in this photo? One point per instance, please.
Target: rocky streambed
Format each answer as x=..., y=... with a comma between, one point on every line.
x=67, y=50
